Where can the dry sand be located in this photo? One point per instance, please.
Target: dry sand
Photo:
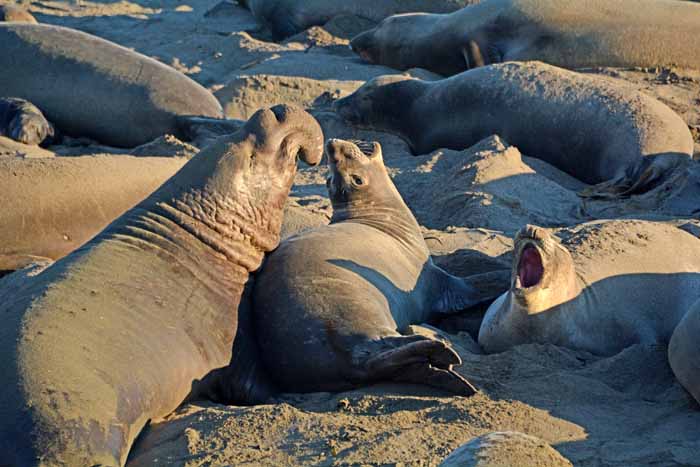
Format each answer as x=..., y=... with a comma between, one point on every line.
x=621, y=411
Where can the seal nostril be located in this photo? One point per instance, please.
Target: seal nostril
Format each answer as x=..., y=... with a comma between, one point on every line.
x=530, y=268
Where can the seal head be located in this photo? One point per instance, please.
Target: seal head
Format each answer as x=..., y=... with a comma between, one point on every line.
x=543, y=277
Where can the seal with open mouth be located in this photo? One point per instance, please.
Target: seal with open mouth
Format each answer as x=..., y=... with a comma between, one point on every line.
x=605, y=286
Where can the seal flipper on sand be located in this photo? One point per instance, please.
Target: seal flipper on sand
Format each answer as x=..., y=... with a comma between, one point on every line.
x=412, y=359
x=460, y=293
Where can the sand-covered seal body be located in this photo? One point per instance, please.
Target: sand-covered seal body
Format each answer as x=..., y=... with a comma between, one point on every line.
x=23, y=122
x=52, y=206
x=333, y=305
x=587, y=126
x=91, y=87
x=602, y=287
x=568, y=33
x=125, y=328
x=287, y=17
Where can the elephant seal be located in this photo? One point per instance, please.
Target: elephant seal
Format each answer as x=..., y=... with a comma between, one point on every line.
x=566, y=33
x=587, y=126
x=91, y=87
x=285, y=18
x=52, y=206
x=122, y=330
x=23, y=122
x=15, y=14
x=332, y=306
x=602, y=287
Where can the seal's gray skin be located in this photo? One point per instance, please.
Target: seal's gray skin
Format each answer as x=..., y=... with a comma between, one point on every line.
x=587, y=126
x=91, y=87
x=333, y=305
x=15, y=14
x=122, y=330
x=603, y=287
x=22, y=121
x=285, y=18
x=567, y=33
x=52, y=206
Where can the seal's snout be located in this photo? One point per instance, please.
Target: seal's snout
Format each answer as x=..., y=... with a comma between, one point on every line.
x=362, y=45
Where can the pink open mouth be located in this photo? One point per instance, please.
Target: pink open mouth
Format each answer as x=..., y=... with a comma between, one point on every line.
x=530, y=268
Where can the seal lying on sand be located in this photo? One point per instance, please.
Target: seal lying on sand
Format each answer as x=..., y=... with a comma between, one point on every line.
x=288, y=17
x=15, y=14
x=586, y=126
x=52, y=206
x=567, y=33
x=88, y=86
x=123, y=329
x=22, y=121
x=605, y=286
x=332, y=305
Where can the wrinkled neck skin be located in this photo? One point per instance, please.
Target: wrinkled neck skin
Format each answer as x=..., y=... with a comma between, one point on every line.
x=385, y=211
x=200, y=212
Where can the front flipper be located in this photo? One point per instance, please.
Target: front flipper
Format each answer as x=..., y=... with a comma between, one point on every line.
x=412, y=359
x=459, y=293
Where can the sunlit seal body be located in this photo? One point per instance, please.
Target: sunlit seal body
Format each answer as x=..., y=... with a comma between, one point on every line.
x=603, y=287
x=333, y=305
x=52, y=206
x=587, y=126
x=91, y=87
x=122, y=330
x=288, y=17
x=567, y=33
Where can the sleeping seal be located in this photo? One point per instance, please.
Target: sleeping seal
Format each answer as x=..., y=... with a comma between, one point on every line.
x=332, y=306
x=23, y=122
x=91, y=87
x=567, y=33
x=603, y=287
x=587, y=126
x=287, y=17
x=122, y=330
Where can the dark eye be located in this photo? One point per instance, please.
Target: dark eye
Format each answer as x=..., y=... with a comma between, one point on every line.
x=357, y=181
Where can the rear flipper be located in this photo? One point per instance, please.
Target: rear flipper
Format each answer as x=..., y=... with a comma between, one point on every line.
x=412, y=359
x=460, y=293
x=646, y=175
x=684, y=351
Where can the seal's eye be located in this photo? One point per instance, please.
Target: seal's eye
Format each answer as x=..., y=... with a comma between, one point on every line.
x=357, y=181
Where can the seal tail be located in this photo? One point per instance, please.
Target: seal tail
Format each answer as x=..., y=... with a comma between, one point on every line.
x=415, y=359
x=645, y=176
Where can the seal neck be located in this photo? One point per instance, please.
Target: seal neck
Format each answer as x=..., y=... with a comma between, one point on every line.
x=388, y=214
x=196, y=220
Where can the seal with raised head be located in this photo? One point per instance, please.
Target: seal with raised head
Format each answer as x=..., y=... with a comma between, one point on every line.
x=91, y=87
x=587, y=126
x=567, y=33
x=287, y=17
x=122, y=330
x=23, y=122
x=333, y=306
x=601, y=287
